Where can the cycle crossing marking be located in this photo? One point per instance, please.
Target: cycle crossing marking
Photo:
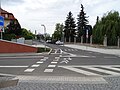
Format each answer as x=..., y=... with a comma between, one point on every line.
x=54, y=62
x=52, y=65
x=48, y=70
x=34, y=66
x=70, y=50
x=29, y=70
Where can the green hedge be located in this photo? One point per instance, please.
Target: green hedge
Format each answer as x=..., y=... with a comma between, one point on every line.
x=40, y=50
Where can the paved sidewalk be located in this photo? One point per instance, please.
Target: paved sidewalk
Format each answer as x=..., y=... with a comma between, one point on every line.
x=100, y=50
x=113, y=83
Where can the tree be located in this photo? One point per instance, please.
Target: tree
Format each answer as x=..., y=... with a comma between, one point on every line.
x=69, y=29
x=108, y=25
x=58, y=33
x=82, y=23
x=27, y=34
x=14, y=28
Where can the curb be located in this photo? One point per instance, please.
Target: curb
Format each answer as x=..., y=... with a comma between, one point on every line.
x=8, y=83
x=8, y=80
x=50, y=51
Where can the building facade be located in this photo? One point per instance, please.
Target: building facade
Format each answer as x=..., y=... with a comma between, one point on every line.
x=8, y=17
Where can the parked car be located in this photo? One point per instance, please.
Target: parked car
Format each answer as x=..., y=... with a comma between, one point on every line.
x=59, y=43
x=49, y=41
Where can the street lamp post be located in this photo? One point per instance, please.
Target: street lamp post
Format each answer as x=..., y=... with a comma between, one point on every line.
x=45, y=35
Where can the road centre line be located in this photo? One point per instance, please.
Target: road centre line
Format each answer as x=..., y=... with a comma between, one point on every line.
x=13, y=66
x=22, y=57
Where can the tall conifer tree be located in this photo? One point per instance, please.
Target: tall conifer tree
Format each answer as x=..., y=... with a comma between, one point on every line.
x=69, y=28
x=82, y=22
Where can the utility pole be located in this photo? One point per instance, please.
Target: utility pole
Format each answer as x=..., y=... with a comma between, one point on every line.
x=45, y=35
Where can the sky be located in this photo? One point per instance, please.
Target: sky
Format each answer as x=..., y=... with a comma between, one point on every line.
x=32, y=13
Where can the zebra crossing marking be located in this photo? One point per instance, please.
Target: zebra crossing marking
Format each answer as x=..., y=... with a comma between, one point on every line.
x=97, y=70
x=105, y=71
x=112, y=68
x=70, y=50
x=80, y=71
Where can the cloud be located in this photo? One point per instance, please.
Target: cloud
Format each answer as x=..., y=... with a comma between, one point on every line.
x=11, y=2
x=32, y=13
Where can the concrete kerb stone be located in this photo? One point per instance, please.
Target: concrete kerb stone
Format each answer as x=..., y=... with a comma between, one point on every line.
x=63, y=79
x=50, y=51
x=100, y=50
x=7, y=80
x=9, y=83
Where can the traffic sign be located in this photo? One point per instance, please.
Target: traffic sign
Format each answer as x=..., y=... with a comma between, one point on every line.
x=1, y=21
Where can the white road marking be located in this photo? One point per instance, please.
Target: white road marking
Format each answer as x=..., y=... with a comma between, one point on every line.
x=29, y=70
x=39, y=62
x=56, y=50
x=36, y=65
x=72, y=49
x=13, y=66
x=76, y=50
x=78, y=56
x=69, y=58
x=79, y=71
x=112, y=68
x=57, y=57
x=54, y=62
x=65, y=58
x=69, y=49
x=61, y=51
x=23, y=57
x=64, y=61
x=88, y=66
x=48, y=70
x=46, y=57
x=51, y=65
x=43, y=60
x=95, y=68
x=110, y=57
x=104, y=71
x=65, y=49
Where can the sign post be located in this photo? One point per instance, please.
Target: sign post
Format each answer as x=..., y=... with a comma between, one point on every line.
x=1, y=25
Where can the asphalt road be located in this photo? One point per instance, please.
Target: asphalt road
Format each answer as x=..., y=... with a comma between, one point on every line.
x=62, y=61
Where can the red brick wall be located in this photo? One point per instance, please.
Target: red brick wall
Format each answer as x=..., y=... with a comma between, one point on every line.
x=11, y=47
